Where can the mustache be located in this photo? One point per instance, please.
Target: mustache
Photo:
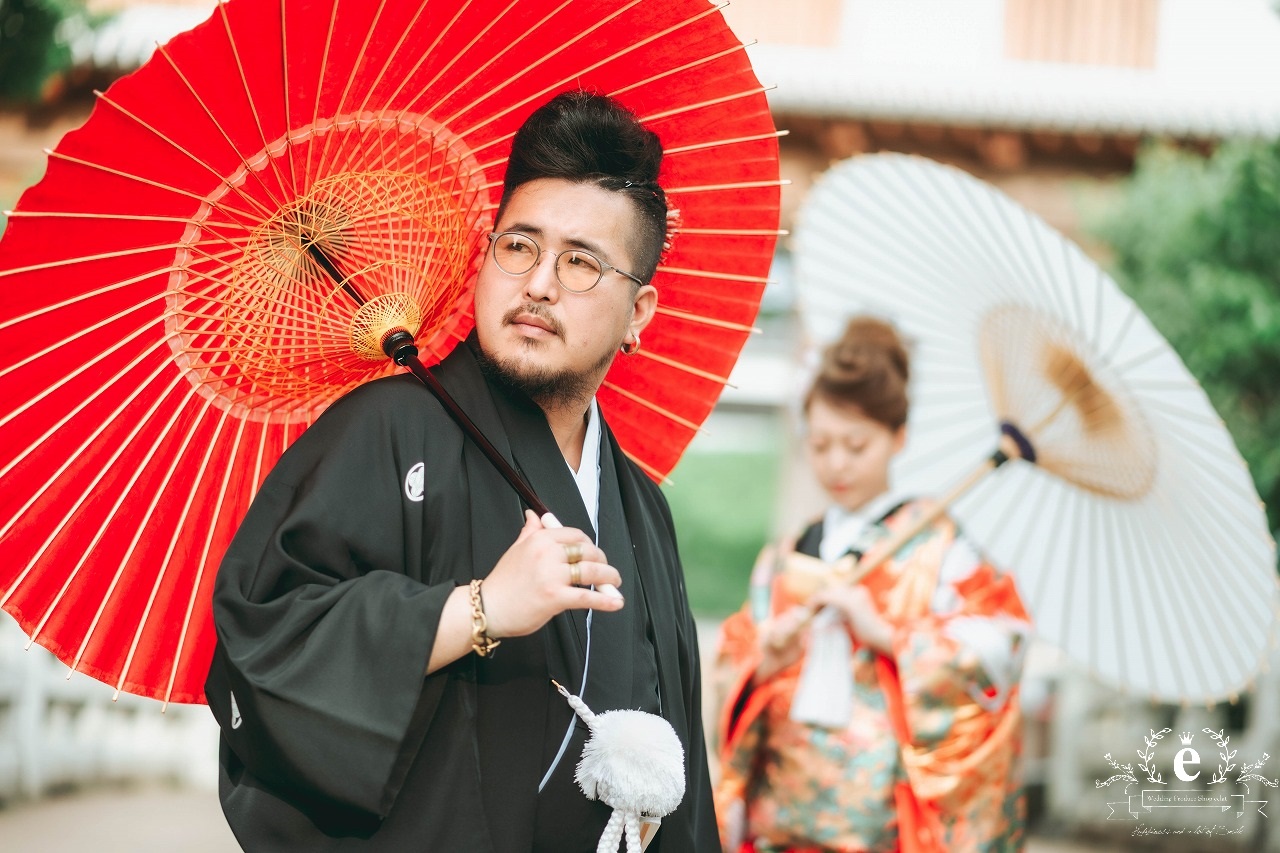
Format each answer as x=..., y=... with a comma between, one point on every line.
x=534, y=309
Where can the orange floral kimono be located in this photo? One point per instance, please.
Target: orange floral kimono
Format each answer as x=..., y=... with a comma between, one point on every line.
x=927, y=760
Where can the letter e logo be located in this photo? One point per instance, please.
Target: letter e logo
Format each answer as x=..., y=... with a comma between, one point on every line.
x=1180, y=761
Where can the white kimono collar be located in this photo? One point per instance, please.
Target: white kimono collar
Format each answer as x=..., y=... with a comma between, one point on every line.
x=842, y=529
x=587, y=477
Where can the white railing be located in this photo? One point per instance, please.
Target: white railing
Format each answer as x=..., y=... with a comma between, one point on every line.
x=58, y=732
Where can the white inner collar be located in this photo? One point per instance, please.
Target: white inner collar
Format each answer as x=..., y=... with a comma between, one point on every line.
x=587, y=477
x=843, y=529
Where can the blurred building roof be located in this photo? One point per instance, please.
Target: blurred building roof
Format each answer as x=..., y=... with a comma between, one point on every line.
x=129, y=37
x=1196, y=68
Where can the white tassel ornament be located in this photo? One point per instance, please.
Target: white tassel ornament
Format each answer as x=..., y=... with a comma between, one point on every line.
x=634, y=762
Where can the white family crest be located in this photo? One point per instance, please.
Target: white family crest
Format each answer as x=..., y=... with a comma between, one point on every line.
x=414, y=482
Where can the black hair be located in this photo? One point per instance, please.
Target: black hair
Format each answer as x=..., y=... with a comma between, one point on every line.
x=588, y=138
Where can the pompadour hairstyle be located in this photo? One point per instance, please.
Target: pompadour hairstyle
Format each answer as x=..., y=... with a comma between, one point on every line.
x=588, y=138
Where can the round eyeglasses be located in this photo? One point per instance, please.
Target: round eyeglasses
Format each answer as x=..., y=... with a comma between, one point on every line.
x=576, y=270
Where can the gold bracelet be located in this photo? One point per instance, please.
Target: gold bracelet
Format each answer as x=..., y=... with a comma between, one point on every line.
x=480, y=639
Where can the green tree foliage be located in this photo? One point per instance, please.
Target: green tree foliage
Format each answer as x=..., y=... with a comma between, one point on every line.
x=1197, y=245
x=35, y=49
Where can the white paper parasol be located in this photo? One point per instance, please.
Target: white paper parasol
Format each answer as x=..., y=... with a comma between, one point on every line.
x=1137, y=536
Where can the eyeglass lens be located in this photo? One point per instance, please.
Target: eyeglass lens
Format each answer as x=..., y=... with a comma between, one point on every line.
x=516, y=254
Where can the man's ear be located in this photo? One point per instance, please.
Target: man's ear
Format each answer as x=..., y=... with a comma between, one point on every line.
x=644, y=306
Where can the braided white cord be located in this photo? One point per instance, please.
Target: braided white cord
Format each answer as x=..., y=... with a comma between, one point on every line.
x=579, y=707
x=633, y=832
x=612, y=835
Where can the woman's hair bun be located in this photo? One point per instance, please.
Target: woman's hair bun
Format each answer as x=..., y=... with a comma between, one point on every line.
x=868, y=367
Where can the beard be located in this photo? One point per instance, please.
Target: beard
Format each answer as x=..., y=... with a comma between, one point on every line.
x=548, y=387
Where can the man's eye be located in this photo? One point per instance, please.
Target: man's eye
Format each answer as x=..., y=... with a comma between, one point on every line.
x=517, y=246
x=577, y=259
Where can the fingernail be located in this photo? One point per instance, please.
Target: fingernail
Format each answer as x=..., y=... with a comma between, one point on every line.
x=550, y=520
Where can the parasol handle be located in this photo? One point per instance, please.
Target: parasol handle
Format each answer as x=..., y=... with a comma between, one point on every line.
x=1013, y=445
x=399, y=345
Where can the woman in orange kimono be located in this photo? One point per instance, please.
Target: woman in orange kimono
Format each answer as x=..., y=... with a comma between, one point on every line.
x=890, y=721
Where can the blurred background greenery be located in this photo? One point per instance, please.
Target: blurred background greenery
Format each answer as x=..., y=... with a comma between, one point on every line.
x=724, y=506
x=1196, y=243
x=35, y=46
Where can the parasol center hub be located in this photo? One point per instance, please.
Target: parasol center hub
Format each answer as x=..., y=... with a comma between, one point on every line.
x=379, y=228
x=378, y=318
x=1014, y=444
x=1071, y=409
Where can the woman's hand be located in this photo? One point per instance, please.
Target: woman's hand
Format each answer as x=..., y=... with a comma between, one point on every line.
x=781, y=642
x=534, y=580
x=859, y=613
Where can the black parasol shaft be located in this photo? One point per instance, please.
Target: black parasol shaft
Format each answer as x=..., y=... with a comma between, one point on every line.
x=399, y=345
x=400, y=348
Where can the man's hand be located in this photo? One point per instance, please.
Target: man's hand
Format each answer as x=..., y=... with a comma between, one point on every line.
x=534, y=579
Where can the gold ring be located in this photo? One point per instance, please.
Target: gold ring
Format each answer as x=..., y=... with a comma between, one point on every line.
x=572, y=552
x=575, y=574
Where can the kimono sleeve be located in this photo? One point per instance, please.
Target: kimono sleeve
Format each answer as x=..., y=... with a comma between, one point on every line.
x=323, y=638
x=970, y=648
x=958, y=672
x=738, y=739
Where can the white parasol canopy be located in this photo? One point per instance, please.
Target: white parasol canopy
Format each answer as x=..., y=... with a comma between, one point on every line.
x=1137, y=537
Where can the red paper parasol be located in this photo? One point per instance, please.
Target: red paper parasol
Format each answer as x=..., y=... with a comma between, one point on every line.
x=167, y=328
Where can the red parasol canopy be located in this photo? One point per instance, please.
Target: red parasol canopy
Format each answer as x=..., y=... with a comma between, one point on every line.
x=162, y=341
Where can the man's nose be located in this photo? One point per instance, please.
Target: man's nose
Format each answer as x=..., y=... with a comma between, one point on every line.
x=541, y=284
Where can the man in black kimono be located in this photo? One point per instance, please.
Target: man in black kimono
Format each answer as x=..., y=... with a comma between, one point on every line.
x=355, y=711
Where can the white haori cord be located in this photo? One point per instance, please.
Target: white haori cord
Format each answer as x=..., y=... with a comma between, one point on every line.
x=824, y=695
x=634, y=762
